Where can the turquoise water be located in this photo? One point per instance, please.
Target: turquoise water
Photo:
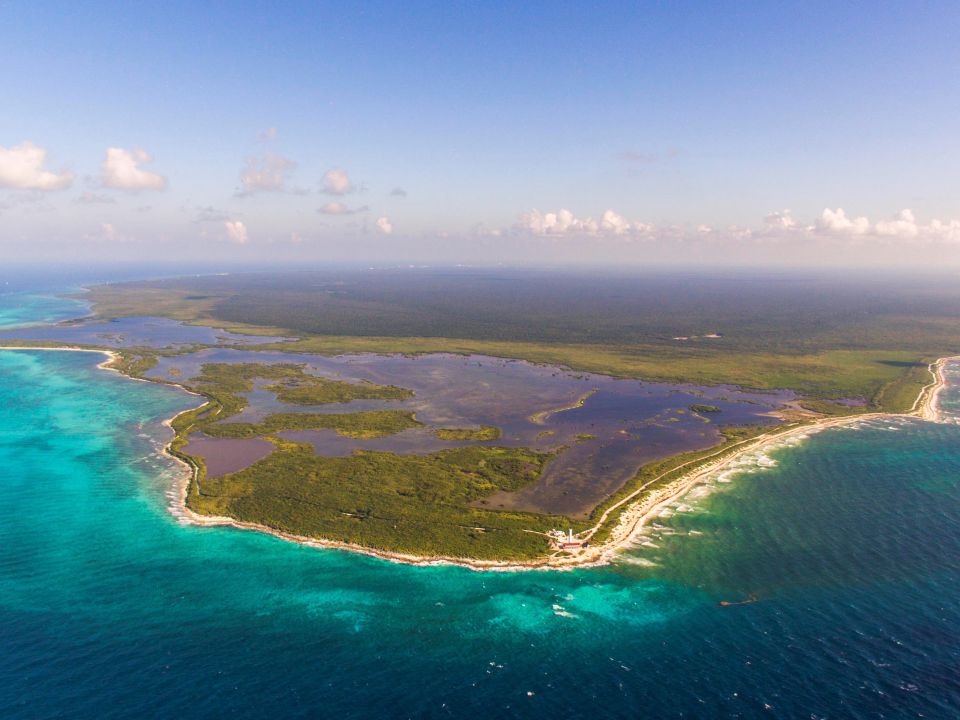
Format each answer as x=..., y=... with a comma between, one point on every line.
x=109, y=608
x=21, y=309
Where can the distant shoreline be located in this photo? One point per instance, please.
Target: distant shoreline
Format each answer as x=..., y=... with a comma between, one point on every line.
x=112, y=355
x=639, y=506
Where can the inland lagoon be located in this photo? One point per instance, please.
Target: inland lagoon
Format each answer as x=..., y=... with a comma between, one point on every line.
x=601, y=439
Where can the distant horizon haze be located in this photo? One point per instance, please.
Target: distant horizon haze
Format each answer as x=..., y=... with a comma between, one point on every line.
x=619, y=133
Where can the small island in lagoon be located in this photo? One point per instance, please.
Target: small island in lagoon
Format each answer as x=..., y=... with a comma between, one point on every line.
x=491, y=453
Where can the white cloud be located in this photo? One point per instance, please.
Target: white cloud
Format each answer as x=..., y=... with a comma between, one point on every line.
x=21, y=167
x=778, y=227
x=268, y=173
x=120, y=171
x=837, y=222
x=949, y=231
x=336, y=181
x=903, y=225
x=268, y=135
x=384, y=226
x=236, y=231
x=557, y=223
x=338, y=208
x=564, y=222
x=781, y=219
x=108, y=231
x=612, y=222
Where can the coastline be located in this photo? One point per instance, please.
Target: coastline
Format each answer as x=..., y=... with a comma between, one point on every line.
x=929, y=399
x=112, y=355
x=640, y=505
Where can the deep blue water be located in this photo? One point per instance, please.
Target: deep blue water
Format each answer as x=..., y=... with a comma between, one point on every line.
x=109, y=608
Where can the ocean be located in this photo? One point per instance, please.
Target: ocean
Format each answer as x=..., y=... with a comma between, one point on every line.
x=821, y=579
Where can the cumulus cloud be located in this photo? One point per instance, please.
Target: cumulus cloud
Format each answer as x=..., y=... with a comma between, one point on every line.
x=267, y=173
x=780, y=219
x=384, y=226
x=236, y=231
x=837, y=222
x=121, y=171
x=21, y=167
x=338, y=208
x=398, y=192
x=336, y=181
x=268, y=135
x=903, y=225
x=614, y=223
x=564, y=222
x=780, y=226
x=555, y=223
x=949, y=230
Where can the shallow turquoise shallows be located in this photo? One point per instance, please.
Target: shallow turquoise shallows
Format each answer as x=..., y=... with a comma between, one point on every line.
x=109, y=608
x=18, y=309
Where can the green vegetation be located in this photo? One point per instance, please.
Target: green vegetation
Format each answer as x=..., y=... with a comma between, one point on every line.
x=225, y=383
x=370, y=424
x=830, y=339
x=697, y=408
x=293, y=384
x=134, y=364
x=486, y=432
x=402, y=503
x=582, y=437
x=826, y=337
x=312, y=390
x=733, y=436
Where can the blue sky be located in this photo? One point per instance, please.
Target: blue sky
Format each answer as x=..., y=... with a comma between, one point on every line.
x=664, y=129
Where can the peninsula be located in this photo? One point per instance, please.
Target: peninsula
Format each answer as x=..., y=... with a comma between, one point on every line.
x=500, y=454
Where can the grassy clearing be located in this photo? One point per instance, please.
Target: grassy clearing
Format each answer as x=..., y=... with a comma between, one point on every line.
x=369, y=424
x=487, y=432
x=404, y=503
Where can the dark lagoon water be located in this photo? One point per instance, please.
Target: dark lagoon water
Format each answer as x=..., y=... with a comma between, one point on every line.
x=849, y=542
x=602, y=428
